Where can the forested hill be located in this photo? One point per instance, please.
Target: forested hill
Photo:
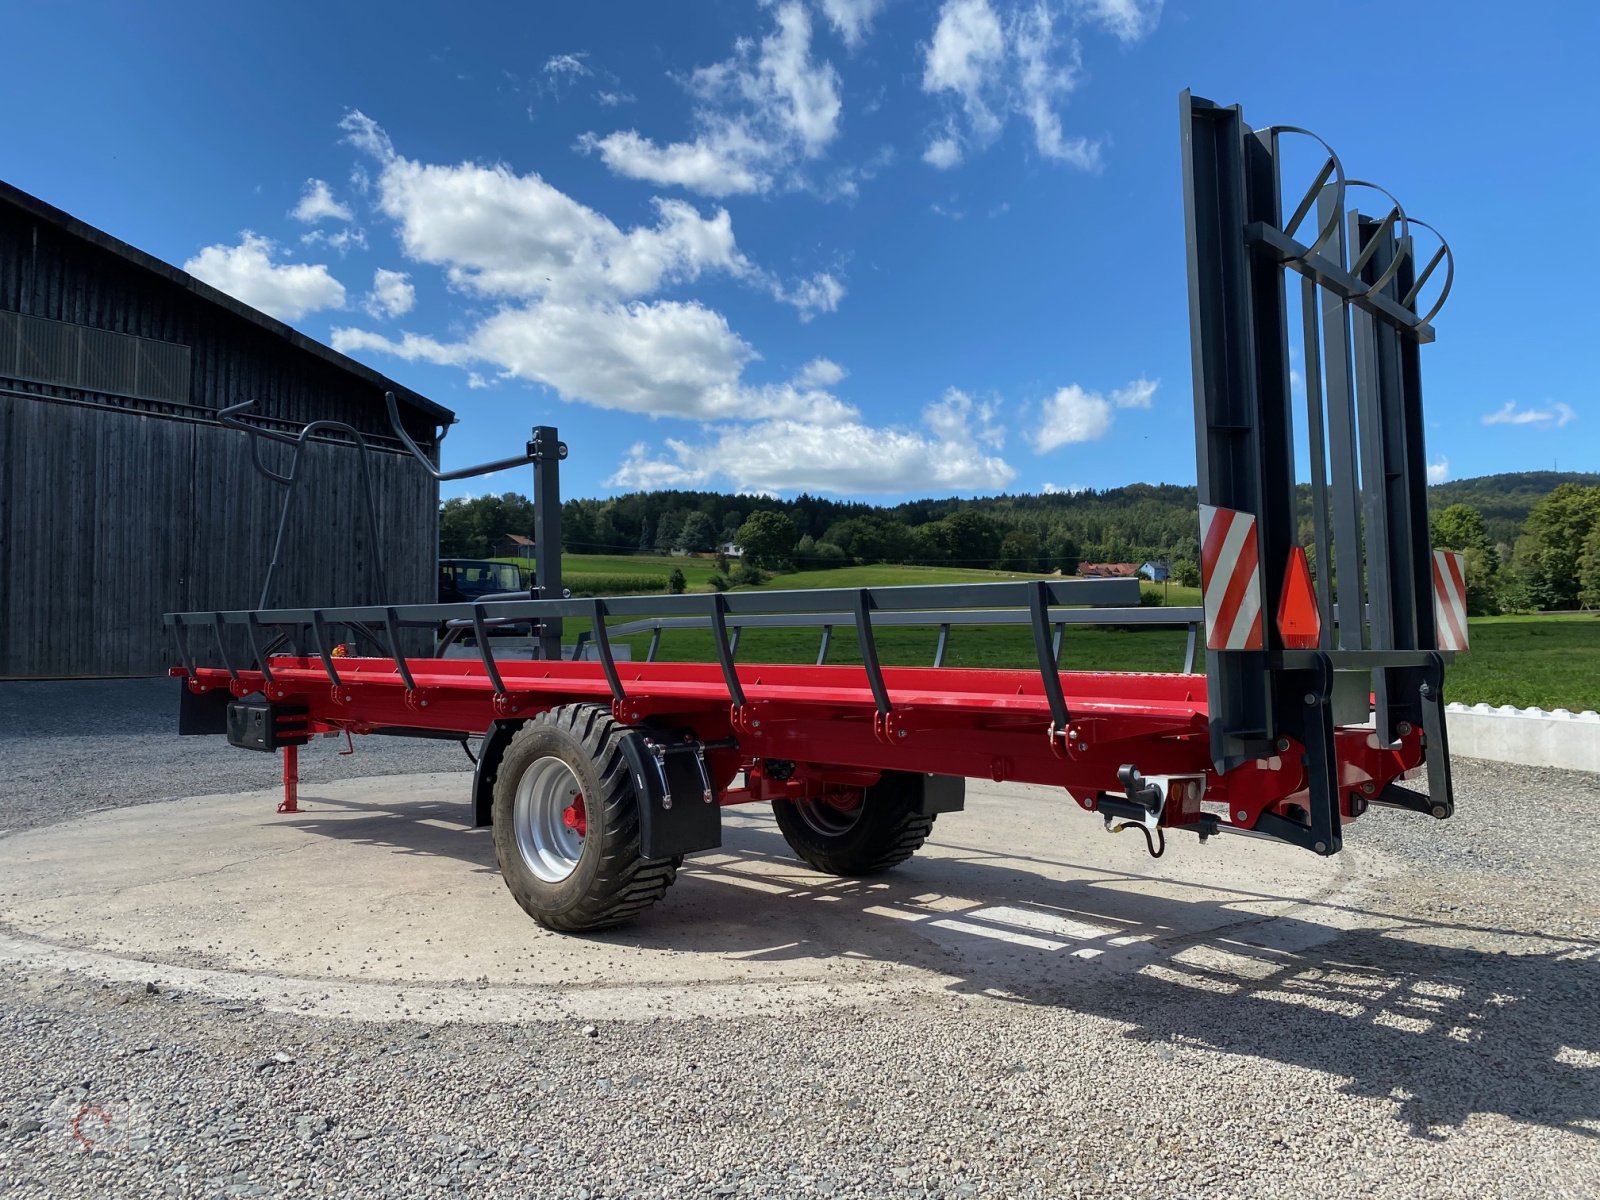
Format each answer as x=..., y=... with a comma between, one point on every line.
x=1505, y=500
x=1125, y=524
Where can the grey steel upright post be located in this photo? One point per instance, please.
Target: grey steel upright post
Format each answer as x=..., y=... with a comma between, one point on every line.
x=546, y=450
x=1368, y=465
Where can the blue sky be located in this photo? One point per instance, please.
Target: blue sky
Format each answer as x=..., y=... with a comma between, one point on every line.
x=872, y=248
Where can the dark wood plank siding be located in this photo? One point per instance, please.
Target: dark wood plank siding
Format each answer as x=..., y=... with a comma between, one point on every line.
x=46, y=272
x=114, y=511
x=109, y=519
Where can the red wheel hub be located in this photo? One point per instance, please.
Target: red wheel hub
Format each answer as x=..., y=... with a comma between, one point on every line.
x=574, y=818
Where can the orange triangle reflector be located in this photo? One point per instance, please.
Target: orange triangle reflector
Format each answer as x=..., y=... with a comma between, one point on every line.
x=1299, y=622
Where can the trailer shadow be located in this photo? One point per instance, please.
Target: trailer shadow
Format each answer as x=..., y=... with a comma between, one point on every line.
x=1430, y=1015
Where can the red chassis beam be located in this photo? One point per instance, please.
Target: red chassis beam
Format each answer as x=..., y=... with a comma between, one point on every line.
x=976, y=723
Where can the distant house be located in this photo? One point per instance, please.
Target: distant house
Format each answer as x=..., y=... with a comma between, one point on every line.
x=1156, y=570
x=733, y=549
x=1091, y=570
x=514, y=545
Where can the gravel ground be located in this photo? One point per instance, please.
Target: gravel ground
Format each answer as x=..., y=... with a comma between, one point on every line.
x=1446, y=1046
x=72, y=747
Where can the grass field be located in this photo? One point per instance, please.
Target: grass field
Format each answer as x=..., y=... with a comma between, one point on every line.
x=696, y=571
x=977, y=646
x=1548, y=661
x=886, y=575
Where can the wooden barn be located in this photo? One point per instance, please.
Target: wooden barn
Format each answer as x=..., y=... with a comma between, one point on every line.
x=121, y=495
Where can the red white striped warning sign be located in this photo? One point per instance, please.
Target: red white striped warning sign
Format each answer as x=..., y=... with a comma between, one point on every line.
x=1228, y=562
x=1450, y=599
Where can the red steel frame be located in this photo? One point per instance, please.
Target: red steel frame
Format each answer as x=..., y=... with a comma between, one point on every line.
x=977, y=723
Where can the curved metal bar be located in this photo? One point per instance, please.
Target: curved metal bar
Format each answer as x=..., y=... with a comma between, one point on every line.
x=1402, y=239
x=1448, y=255
x=602, y=641
x=180, y=638
x=484, y=653
x=298, y=444
x=251, y=628
x=1039, y=610
x=222, y=648
x=869, y=651
x=1317, y=187
x=319, y=630
x=391, y=625
x=427, y=464
x=719, y=635
x=225, y=416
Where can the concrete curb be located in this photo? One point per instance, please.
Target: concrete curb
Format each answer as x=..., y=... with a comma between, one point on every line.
x=1568, y=740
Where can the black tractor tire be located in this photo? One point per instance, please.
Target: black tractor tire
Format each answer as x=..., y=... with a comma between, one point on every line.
x=888, y=828
x=609, y=882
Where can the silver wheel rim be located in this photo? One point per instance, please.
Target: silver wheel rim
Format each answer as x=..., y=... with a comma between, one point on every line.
x=549, y=847
x=826, y=819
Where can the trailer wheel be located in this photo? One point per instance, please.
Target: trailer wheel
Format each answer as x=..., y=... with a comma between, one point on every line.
x=884, y=829
x=566, y=823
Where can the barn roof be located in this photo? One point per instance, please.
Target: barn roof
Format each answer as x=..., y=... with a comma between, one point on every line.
x=36, y=208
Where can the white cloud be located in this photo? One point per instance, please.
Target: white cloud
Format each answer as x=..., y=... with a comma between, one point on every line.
x=662, y=358
x=392, y=294
x=639, y=472
x=578, y=311
x=1128, y=20
x=724, y=161
x=502, y=234
x=575, y=297
x=1557, y=416
x=785, y=455
x=1053, y=489
x=1017, y=59
x=759, y=112
x=1137, y=394
x=614, y=99
x=1047, y=72
x=510, y=236
x=943, y=152
x=317, y=204
x=412, y=347
x=1072, y=415
x=246, y=272
x=956, y=416
x=965, y=58
x=851, y=19
x=567, y=65
x=340, y=240
x=1439, y=471
x=820, y=373
x=1075, y=414
x=365, y=134
x=821, y=293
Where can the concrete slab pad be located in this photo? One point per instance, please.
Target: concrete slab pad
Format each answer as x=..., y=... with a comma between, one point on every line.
x=379, y=902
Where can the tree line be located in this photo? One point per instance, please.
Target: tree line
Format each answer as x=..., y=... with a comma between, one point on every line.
x=1531, y=540
x=1025, y=533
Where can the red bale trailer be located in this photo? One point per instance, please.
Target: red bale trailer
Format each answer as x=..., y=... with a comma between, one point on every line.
x=1322, y=690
